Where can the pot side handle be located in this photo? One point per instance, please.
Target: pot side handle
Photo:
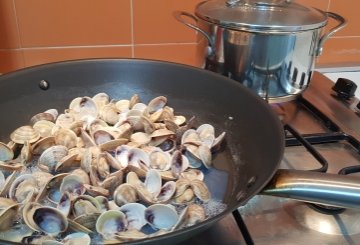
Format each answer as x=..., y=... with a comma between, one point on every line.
x=321, y=188
x=342, y=22
x=179, y=17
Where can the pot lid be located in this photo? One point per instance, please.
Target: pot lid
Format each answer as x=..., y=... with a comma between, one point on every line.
x=261, y=15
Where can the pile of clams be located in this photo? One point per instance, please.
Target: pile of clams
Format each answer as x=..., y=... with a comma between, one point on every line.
x=118, y=170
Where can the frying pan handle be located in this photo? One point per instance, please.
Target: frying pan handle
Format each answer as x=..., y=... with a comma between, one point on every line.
x=321, y=188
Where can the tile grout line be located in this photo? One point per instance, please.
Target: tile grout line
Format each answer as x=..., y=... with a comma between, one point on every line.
x=18, y=32
x=132, y=28
x=99, y=46
x=328, y=6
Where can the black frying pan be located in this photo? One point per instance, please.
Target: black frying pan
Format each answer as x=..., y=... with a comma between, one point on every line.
x=254, y=142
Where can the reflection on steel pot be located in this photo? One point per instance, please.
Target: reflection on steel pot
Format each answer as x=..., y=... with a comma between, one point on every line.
x=268, y=45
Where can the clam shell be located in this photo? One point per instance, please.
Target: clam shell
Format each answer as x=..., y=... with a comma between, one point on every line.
x=191, y=215
x=200, y=190
x=160, y=160
x=186, y=197
x=179, y=163
x=65, y=120
x=7, y=216
x=166, y=193
x=96, y=190
x=153, y=182
x=50, y=220
x=205, y=155
x=140, y=138
x=205, y=130
x=74, y=226
x=5, y=152
x=51, y=189
x=161, y=216
x=110, y=114
x=190, y=136
x=6, y=186
x=179, y=120
x=64, y=204
x=85, y=204
x=52, y=156
x=122, y=105
x=67, y=163
x=6, y=202
x=101, y=99
x=135, y=215
x=102, y=136
x=53, y=112
x=111, y=222
x=83, y=106
x=125, y=193
x=112, y=144
x=23, y=187
x=192, y=174
x=40, y=146
x=88, y=220
x=217, y=142
x=103, y=202
x=25, y=154
x=65, y=137
x=82, y=175
x=44, y=128
x=156, y=104
x=77, y=238
x=133, y=100
x=45, y=116
x=73, y=185
x=24, y=133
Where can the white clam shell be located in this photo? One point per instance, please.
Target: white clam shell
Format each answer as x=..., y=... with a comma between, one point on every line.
x=135, y=214
x=161, y=216
x=111, y=222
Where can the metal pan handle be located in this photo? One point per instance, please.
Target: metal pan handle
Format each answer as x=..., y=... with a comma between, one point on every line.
x=179, y=16
x=342, y=22
x=321, y=188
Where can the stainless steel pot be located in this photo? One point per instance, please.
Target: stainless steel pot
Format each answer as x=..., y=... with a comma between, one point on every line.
x=268, y=45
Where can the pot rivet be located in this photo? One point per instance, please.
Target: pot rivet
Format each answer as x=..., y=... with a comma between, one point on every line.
x=44, y=85
x=251, y=182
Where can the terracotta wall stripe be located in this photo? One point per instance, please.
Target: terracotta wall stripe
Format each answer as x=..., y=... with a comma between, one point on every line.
x=17, y=23
x=132, y=27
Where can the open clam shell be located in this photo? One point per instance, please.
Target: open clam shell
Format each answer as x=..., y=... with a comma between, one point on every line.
x=111, y=222
x=46, y=219
x=161, y=216
x=135, y=215
x=160, y=160
x=5, y=152
x=51, y=157
x=23, y=188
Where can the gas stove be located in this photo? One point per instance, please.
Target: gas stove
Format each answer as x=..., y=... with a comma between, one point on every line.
x=322, y=134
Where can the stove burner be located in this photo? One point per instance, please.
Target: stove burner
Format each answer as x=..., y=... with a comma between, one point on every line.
x=345, y=223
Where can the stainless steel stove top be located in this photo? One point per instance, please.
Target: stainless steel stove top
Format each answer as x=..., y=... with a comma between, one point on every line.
x=273, y=220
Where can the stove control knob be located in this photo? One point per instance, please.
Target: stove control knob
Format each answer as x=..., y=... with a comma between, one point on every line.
x=344, y=88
